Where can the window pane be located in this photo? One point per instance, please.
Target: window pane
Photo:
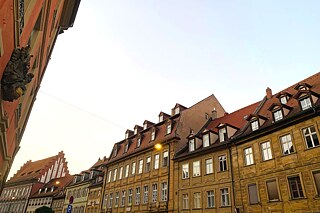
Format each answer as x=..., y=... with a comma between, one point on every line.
x=287, y=145
x=272, y=190
x=316, y=176
x=295, y=187
x=253, y=194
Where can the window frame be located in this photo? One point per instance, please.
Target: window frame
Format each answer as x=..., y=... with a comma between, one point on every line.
x=223, y=163
x=253, y=200
x=275, y=180
x=197, y=200
x=156, y=164
x=204, y=144
x=282, y=143
x=196, y=169
x=248, y=161
x=191, y=143
x=223, y=135
x=310, y=135
x=185, y=201
x=290, y=189
x=316, y=185
x=277, y=114
x=254, y=124
x=165, y=158
x=307, y=105
x=148, y=164
x=140, y=166
x=268, y=149
x=185, y=174
x=209, y=166
x=226, y=195
x=210, y=199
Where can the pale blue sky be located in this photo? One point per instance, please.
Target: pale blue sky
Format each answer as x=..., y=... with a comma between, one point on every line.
x=124, y=61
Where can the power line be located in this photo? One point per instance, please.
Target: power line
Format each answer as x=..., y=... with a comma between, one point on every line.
x=83, y=110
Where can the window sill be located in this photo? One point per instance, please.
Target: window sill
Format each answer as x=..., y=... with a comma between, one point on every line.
x=225, y=206
x=274, y=201
x=209, y=174
x=222, y=171
x=197, y=208
x=299, y=198
x=196, y=176
x=185, y=178
x=250, y=165
x=262, y=161
x=285, y=155
x=311, y=148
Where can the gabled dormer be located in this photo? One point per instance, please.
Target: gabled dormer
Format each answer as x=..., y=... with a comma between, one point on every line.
x=169, y=126
x=137, y=129
x=116, y=150
x=126, y=145
x=139, y=140
x=194, y=142
x=177, y=109
x=305, y=96
x=163, y=116
x=76, y=178
x=284, y=97
x=279, y=111
x=256, y=121
x=208, y=137
x=223, y=133
x=147, y=124
x=153, y=133
x=128, y=134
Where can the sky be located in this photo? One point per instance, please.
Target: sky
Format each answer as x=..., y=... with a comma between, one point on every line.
x=125, y=61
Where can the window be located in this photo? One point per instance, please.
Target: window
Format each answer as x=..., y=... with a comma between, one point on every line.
x=148, y=163
x=130, y=191
x=191, y=145
x=210, y=199
x=115, y=174
x=206, y=141
x=164, y=190
x=248, y=156
x=139, y=142
x=254, y=125
x=316, y=176
x=140, y=166
x=126, y=146
x=137, y=199
x=196, y=168
x=310, y=136
x=272, y=189
x=109, y=176
x=160, y=118
x=165, y=158
x=168, y=128
x=185, y=171
x=305, y=103
x=295, y=187
x=287, y=145
x=123, y=198
x=145, y=194
x=283, y=99
x=156, y=161
x=185, y=201
x=133, y=168
x=196, y=200
x=126, y=174
x=153, y=135
x=223, y=134
x=110, y=200
x=225, y=201
x=209, y=166
x=253, y=194
x=266, y=151
x=120, y=173
x=222, y=163
x=116, y=201
x=177, y=110
x=277, y=115
x=154, y=192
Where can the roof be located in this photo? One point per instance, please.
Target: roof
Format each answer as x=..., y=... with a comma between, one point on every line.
x=236, y=119
x=34, y=169
x=193, y=117
x=293, y=94
x=56, y=184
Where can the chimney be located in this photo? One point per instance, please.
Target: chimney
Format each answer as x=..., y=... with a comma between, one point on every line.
x=269, y=93
x=214, y=114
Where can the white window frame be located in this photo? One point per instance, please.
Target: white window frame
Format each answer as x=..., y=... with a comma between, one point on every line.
x=154, y=192
x=191, y=145
x=120, y=172
x=210, y=199
x=266, y=151
x=156, y=161
x=310, y=135
x=223, y=134
x=305, y=103
x=287, y=144
x=197, y=200
x=196, y=168
x=165, y=158
x=140, y=167
x=248, y=156
x=225, y=199
x=278, y=115
x=164, y=191
x=148, y=164
x=133, y=168
x=185, y=201
x=254, y=125
x=209, y=166
x=206, y=140
x=223, y=165
x=185, y=170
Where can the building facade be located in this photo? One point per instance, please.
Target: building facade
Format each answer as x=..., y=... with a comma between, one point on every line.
x=45, y=195
x=202, y=171
x=140, y=168
x=28, y=32
x=29, y=179
x=277, y=157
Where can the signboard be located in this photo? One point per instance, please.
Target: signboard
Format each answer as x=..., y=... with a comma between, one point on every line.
x=71, y=200
x=69, y=208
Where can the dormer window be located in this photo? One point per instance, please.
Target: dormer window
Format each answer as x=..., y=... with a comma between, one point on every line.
x=206, y=141
x=283, y=99
x=40, y=191
x=177, y=110
x=135, y=130
x=168, y=128
x=191, y=145
x=127, y=135
x=305, y=103
x=254, y=125
x=115, y=151
x=153, y=135
x=139, y=142
x=145, y=126
x=277, y=115
x=160, y=118
x=52, y=188
x=223, y=134
x=126, y=146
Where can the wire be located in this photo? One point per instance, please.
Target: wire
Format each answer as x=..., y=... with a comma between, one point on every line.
x=83, y=110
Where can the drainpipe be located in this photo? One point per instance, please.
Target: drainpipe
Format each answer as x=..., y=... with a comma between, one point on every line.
x=232, y=177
